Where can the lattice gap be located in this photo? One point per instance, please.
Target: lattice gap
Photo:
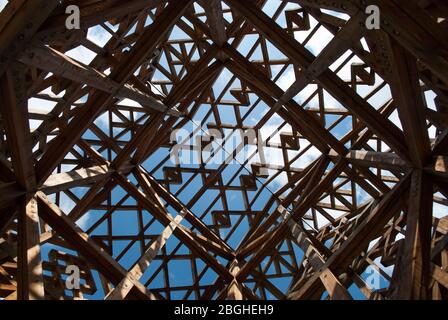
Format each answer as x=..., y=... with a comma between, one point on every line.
x=224, y=150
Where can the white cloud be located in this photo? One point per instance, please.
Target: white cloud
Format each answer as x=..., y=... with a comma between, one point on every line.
x=287, y=79
x=85, y=221
x=3, y=4
x=439, y=211
x=81, y=54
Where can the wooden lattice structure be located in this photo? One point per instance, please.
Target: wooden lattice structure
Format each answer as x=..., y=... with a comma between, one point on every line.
x=359, y=119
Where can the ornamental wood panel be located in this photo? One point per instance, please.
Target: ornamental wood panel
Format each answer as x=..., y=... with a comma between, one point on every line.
x=235, y=149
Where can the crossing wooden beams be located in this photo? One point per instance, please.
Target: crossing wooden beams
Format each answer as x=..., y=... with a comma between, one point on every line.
x=121, y=291
x=19, y=22
x=414, y=29
x=412, y=273
x=103, y=262
x=14, y=114
x=29, y=264
x=53, y=61
x=244, y=146
x=330, y=81
x=98, y=100
x=367, y=230
x=406, y=92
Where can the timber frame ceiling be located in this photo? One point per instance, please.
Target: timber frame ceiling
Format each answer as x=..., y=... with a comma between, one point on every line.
x=359, y=190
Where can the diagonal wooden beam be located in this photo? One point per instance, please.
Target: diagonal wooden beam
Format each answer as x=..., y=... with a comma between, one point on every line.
x=125, y=286
x=343, y=6
x=303, y=206
x=14, y=113
x=368, y=229
x=94, y=13
x=51, y=60
x=57, y=182
x=335, y=289
x=30, y=284
x=97, y=193
x=408, y=97
x=439, y=168
x=182, y=234
x=344, y=40
x=412, y=272
x=145, y=135
x=299, y=55
x=19, y=21
x=66, y=180
x=315, y=172
x=416, y=31
x=209, y=238
x=87, y=247
x=190, y=217
x=149, y=41
x=202, y=79
x=368, y=159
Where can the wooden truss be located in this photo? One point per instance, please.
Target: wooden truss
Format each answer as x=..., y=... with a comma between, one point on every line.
x=354, y=206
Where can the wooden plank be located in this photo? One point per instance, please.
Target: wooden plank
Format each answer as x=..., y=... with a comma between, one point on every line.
x=329, y=80
x=76, y=178
x=180, y=233
x=19, y=21
x=439, y=168
x=416, y=31
x=335, y=289
x=87, y=247
x=94, y=13
x=412, y=272
x=343, y=6
x=215, y=19
x=149, y=41
x=302, y=207
x=382, y=160
x=235, y=289
x=9, y=193
x=366, y=231
x=30, y=284
x=124, y=287
x=14, y=112
x=408, y=97
x=51, y=60
x=439, y=275
x=345, y=39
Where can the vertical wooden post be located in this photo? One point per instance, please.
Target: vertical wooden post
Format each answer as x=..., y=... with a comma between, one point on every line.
x=235, y=291
x=412, y=271
x=29, y=264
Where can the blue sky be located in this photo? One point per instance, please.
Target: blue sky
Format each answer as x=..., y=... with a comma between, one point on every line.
x=126, y=223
